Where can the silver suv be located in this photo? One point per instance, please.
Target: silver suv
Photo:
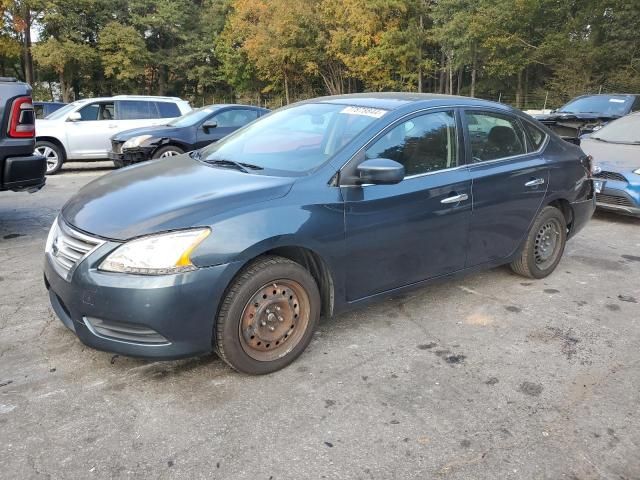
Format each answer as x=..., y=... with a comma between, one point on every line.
x=82, y=130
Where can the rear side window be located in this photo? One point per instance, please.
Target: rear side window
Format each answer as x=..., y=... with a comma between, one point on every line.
x=423, y=144
x=494, y=136
x=136, y=110
x=235, y=118
x=536, y=135
x=168, y=110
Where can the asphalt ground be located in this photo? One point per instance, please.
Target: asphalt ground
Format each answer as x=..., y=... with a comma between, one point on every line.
x=487, y=376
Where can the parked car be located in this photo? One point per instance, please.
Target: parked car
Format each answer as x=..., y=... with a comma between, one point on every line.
x=616, y=152
x=44, y=109
x=20, y=169
x=82, y=130
x=588, y=113
x=194, y=130
x=316, y=208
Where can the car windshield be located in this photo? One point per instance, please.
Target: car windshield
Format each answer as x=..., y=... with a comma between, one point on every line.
x=609, y=105
x=192, y=117
x=62, y=112
x=295, y=139
x=624, y=130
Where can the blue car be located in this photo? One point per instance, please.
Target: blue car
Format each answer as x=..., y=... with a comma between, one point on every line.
x=311, y=210
x=615, y=149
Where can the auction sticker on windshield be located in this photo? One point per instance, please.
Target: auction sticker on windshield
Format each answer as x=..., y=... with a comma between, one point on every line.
x=369, y=112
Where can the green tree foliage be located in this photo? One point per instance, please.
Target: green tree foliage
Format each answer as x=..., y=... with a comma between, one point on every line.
x=277, y=51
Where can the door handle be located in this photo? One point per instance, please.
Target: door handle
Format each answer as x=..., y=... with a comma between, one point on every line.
x=535, y=182
x=113, y=125
x=455, y=199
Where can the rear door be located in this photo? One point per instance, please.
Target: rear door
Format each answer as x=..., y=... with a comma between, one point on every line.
x=89, y=137
x=509, y=178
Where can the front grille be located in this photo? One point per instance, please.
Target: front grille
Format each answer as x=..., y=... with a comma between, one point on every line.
x=611, y=176
x=613, y=200
x=68, y=247
x=116, y=147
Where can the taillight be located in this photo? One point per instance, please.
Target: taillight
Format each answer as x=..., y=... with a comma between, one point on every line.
x=22, y=120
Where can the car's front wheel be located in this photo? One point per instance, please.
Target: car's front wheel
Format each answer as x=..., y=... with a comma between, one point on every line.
x=52, y=153
x=268, y=316
x=544, y=246
x=168, y=151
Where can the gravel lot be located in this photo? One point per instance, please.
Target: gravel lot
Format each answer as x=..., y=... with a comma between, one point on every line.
x=488, y=376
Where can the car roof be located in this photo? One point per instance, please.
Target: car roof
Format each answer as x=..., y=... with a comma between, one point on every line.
x=150, y=98
x=396, y=100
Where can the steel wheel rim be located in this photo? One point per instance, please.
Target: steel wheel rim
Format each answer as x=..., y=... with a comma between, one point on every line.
x=169, y=153
x=547, y=244
x=50, y=155
x=274, y=320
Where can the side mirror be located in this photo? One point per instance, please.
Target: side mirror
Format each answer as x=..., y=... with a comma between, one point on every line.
x=209, y=124
x=380, y=171
x=74, y=117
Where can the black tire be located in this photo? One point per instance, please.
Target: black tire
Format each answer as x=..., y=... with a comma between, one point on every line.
x=167, y=151
x=544, y=246
x=231, y=340
x=53, y=153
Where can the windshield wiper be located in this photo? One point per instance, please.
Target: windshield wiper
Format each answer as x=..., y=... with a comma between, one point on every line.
x=243, y=167
x=195, y=154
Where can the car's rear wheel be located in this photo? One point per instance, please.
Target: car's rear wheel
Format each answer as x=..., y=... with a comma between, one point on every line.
x=52, y=153
x=268, y=316
x=168, y=151
x=544, y=246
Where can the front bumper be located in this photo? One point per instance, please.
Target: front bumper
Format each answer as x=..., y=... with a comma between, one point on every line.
x=24, y=173
x=129, y=157
x=161, y=317
x=621, y=197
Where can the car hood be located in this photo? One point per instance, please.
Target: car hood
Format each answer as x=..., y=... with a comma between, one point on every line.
x=167, y=194
x=616, y=156
x=155, y=130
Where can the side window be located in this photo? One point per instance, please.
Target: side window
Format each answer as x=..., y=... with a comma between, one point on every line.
x=423, y=144
x=96, y=111
x=536, y=135
x=167, y=110
x=136, y=110
x=494, y=136
x=235, y=118
x=40, y=111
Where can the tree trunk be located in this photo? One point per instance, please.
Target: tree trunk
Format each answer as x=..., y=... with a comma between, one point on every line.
x=519, y=91
x=450, y=88
x=26, y=47
x=163, y=76
x=286, y=87
x=64, y=88
x=459, y=85
x=420, y=57
x=474, y=69
x=442, y=86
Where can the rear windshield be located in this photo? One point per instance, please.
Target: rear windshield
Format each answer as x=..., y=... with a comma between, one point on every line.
x=609, y=105
x=295, y=139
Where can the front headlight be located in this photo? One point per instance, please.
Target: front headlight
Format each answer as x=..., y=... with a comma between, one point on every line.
x=135, y=141
x=637, y=172
x=160, y=254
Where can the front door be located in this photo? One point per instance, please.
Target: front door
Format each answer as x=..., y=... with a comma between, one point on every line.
x=225, y=122
x=90, y=136
x=509, y=180
x=400, y=234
